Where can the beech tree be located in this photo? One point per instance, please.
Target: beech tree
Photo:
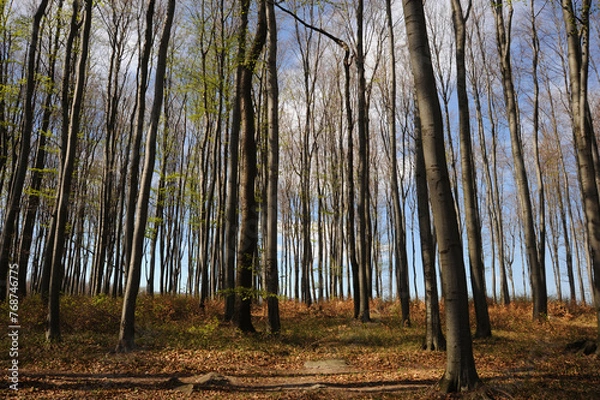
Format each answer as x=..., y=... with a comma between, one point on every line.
x=471, y=207
x=127, y=328
x=273, y=175
x=66, y=178
x=586, y=147
x=249, y=221
x=538, y=274
x=460, y=371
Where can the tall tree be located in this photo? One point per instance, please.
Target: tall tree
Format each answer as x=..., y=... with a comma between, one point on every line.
x=364, y=264
x=400, y=256
x=538, y=275
x=586, y=147
x=273, y=174
x=66, y=179
x=18, y=182
x=249, y=221
x=127, y=328
x=460, y=371
x=471, y=208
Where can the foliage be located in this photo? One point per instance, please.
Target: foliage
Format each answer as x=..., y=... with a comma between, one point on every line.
x=177, y=338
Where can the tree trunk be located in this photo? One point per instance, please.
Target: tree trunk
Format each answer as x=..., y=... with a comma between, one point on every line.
x=127, y=328
x=434, y=337
x=473, y=221
x=249, y=221
x=364, y=263
x=586, y=149
x=272, y=176
x=538, y=275
x=66, y=178
x=460, y=365
x=400, y=256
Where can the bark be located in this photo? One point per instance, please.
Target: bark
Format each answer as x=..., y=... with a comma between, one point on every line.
x=434, y=337
x=538, y=275
x=586, y=149
x=400, y=256
x=364, y=264
x=232, y=219
x=127, y=327
x=136, y=141
x=460, y=371
x=66, y=179
x=471, y=207
x=249, y=221
x=273, y=175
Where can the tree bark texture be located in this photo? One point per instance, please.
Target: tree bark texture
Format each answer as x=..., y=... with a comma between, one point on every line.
x=460, y=371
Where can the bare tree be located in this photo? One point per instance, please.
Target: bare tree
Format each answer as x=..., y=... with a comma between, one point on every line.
x=586, y=147
x=460, y=365
x=473, y=220
x=127, y=328
x=273, y=174
x=66, y=177
x=538, y=275
x=249, y=221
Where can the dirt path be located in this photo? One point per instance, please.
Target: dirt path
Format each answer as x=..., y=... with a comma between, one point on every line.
x=317, y=379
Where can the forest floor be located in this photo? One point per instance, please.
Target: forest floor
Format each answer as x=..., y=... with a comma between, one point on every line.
x=322, y=353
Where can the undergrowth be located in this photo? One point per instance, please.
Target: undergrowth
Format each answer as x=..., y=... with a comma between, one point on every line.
x=176, y=337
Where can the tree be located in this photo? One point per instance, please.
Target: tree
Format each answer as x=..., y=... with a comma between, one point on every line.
x=66, y=177
x=273, y=174
x=586, y=147
x=364, y=264
x=400, y=256
x=434, y=337
x=538, y=275
x=249, y=221
x=127, y=328
x=460, y=371
x=471, y=207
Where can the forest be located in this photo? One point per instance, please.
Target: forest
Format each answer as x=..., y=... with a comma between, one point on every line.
x=422, y=166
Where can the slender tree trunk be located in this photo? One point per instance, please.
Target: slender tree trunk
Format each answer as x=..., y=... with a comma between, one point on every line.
x=249, y=221
x=232, y=219
x=273, y=175
x=138, y=133
x=586, y=149
x=536, y=149
x=472, y=216
x=66, y=177
x=400, y=256
x=460, y=365
x=538, y=276
x=127, y=328
x=364, y=263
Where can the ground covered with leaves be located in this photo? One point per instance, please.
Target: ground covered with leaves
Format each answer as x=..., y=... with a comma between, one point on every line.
x=322, y=353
